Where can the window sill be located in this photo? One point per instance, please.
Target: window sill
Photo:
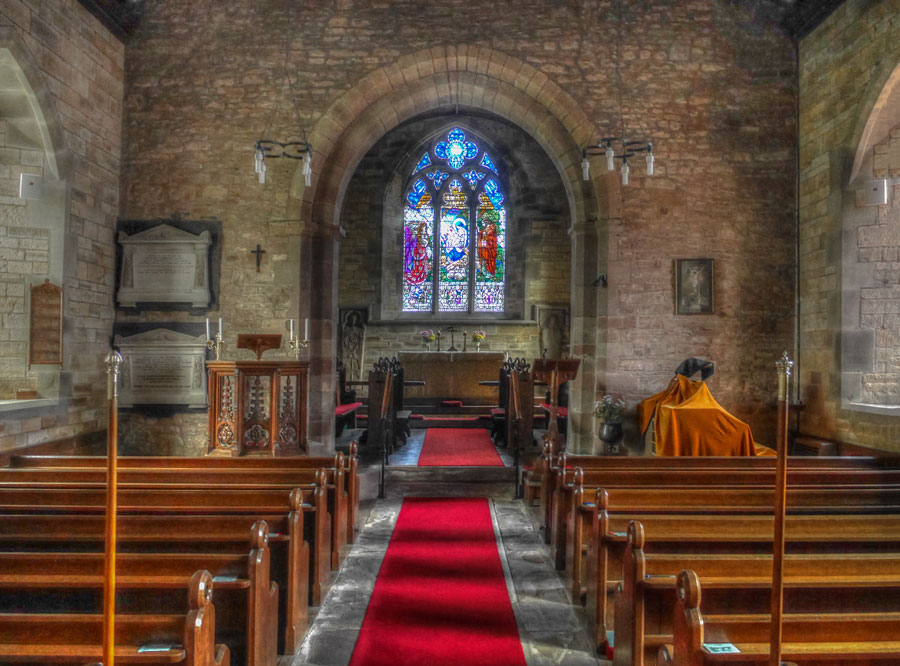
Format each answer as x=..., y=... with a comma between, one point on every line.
x=869, y=408
x=26, y=405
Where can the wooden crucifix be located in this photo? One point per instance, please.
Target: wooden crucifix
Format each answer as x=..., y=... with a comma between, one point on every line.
x=259, y=252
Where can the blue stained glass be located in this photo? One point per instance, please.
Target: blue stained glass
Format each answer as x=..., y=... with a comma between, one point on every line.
x=456, y=150
x=473, y=177
x=416, y=193
x=487, y=163
x=438, y=177
x=493, y=193
x=424, y=162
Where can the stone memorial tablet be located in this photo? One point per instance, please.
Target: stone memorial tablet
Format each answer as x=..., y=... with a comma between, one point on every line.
x=162, y=367
x=164, y=265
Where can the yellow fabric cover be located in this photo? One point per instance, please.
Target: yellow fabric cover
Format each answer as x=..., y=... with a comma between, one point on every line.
x=678, y=390
x=699, y=426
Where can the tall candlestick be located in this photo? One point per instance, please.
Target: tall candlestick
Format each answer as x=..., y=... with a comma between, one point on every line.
x=292, y=329
x=207, y=328
x=306, y=329
x=220, y=328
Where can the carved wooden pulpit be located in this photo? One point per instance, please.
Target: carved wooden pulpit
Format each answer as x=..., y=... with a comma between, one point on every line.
x=555, y=372
x=257, y=407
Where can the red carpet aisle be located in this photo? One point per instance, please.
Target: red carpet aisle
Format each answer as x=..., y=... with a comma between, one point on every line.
x=440, y=598
x=463, y=447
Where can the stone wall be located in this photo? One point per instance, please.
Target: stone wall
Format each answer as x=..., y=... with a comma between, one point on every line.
x=74, y=66
x=846, y=68
x=709, y=82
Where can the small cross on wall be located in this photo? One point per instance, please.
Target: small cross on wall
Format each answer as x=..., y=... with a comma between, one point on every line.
x=259, y=252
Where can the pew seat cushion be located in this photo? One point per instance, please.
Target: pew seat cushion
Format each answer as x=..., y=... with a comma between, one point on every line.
x=416, y=417
x=498, y=411
x=341, y=410
x=452, y=403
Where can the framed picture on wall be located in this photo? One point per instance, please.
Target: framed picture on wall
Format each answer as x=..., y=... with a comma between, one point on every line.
x=693, y=286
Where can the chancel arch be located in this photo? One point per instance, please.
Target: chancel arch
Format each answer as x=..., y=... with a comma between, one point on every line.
x=460, y=79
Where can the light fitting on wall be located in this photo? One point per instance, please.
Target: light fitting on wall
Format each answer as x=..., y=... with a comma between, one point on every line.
x=295, y=150
x=618, y=147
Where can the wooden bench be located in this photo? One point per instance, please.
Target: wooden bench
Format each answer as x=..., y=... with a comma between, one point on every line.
x=349, y=465
x=704, y=534
x=225, y=535
x=712, y=499
x=740, y=581
x=808, y=638
x=174, y=477
x=147, y=638
x=161, y=501
x=246, y=598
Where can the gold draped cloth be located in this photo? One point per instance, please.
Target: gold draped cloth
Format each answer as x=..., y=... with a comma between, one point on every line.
x=689, y=422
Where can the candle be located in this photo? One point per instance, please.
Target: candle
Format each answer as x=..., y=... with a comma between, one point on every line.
x=220, y=327
x=306, y=329
x=292, y=330
x=207, y=328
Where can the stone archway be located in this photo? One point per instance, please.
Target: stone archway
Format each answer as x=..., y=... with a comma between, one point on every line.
x=441, y=79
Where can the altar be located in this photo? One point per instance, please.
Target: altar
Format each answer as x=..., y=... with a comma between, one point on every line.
x=452, y=374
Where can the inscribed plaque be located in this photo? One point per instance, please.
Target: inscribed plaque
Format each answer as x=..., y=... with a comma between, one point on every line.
x=45, y=334
x=164, y=265
x=162, y=367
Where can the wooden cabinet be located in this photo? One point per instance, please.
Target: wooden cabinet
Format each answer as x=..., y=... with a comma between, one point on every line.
x=257, y=407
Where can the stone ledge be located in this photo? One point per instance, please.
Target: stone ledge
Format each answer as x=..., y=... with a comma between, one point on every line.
x=23, y=405
x=869, y=408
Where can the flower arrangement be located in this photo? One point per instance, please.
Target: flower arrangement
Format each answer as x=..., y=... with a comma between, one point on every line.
x=608, y=410
x=478, y=336
x=428, y=335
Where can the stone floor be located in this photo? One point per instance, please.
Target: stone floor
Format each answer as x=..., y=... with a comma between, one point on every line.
x=551, y=628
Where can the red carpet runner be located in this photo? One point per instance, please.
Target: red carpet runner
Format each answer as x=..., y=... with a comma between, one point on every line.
x=440, y=598
x=463, y=447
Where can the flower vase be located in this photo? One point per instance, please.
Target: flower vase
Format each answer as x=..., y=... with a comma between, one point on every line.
x=610, y=432
x=477, y=346
x=426, y=345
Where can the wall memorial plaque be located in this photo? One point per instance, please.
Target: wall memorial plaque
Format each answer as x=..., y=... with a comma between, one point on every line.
x=164, y=265
x=162, y=367
x=45, y=331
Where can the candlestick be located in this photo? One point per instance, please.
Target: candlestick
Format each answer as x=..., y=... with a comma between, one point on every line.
x=207, y=328
x=306, y=329
x=220, y=328
x=292, y=329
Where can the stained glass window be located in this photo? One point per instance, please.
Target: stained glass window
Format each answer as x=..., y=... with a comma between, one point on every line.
x=454, y=231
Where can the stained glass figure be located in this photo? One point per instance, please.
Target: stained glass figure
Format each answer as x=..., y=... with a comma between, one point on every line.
x=454, y=257
x=456, y=150
x=418, y=264
x=425, y=161
x=488, y=163
x=418, y=194
x=473, y=177
x=438, y=177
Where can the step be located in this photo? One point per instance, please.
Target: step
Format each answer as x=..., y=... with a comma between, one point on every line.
x=451, y=474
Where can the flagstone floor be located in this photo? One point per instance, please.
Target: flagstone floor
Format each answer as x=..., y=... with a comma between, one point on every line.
x=551, y=628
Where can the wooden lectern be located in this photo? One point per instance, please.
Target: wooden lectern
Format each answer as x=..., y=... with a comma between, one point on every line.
x=257, y=407
x=554, y=372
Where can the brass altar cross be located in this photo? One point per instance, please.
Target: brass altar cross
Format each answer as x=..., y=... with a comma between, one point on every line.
x=259, y=252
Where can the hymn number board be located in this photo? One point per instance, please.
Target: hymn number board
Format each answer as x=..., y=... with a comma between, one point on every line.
x=45, y=335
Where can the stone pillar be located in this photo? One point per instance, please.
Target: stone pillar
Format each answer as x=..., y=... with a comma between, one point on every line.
x=318, y=302
x=583, y=337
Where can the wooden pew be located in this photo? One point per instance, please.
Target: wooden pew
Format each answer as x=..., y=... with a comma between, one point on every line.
x=704, y=534
x=568, y=480
x=179, y=535
x=246, y=598
x=162, y=501
x=712, y=499
x=56, y=638
x=740, y=582
x=234, y=479
x=808, y=638
x=350, y=467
